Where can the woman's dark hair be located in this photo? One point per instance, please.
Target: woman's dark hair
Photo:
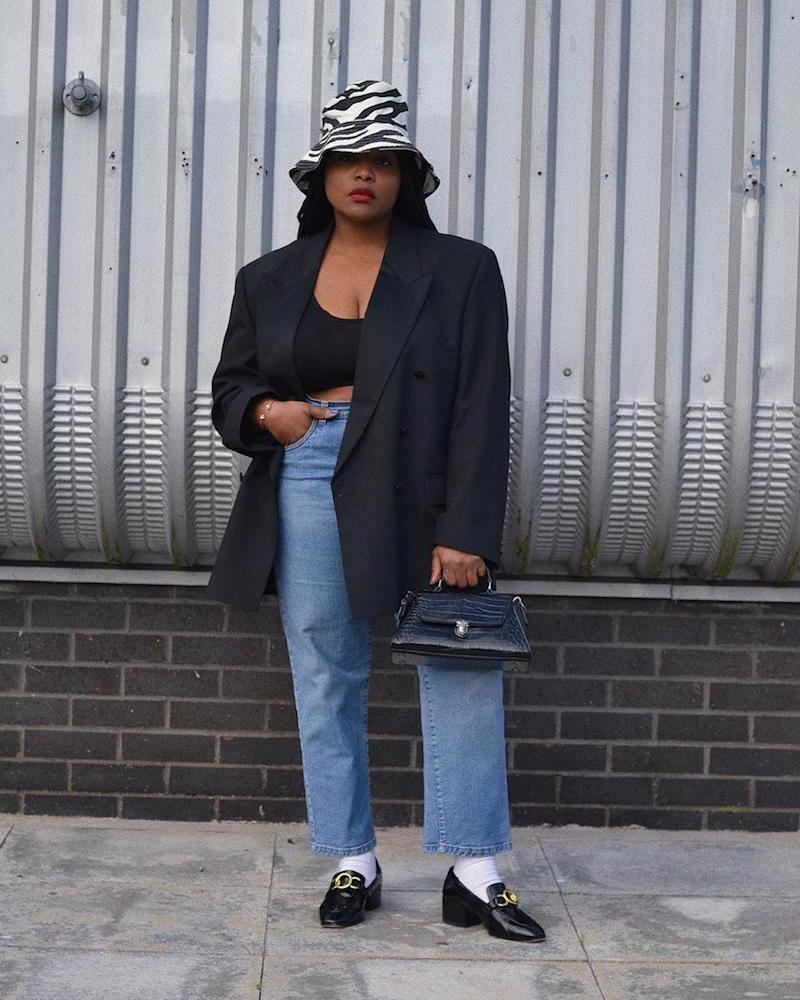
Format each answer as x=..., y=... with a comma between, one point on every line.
x=316, y=212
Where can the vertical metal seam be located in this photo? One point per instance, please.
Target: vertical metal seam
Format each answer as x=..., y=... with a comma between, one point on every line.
x=196, y=196
x=526, y=178
x=183, y=531
x=549, y=215
x=103, y=385
x=735, y=206
x=123, y=269
x=194, y=278
x=268, y=178
x=598, y=518
x=593, y=222
x=482, y=118
x=99, y=203
x=619, y=220
x=412, y=85
x=721, y=560
x=455, y=120
x=691, y=216
x=316, y=70
x=56, y=185
x=126, y=190
x=343, y=67
x=169, y=188
x=759, y=284
x=796, y=392
x=388, y=40
x=29, y=173
x=244, y=126
x=667, y=155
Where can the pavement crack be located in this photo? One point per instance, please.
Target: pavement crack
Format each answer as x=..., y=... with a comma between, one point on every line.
x=574, y=927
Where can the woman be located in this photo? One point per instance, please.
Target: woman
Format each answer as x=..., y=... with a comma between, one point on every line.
x=365, y=370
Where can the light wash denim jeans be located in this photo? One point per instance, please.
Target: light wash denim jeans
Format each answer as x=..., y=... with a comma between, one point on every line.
x=464, y=762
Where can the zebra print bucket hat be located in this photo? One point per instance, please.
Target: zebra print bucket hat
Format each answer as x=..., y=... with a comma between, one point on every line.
x=370, y=114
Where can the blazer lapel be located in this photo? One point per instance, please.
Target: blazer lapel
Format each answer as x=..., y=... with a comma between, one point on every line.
x=282, y=299
x=397, y=297
x=400, y=290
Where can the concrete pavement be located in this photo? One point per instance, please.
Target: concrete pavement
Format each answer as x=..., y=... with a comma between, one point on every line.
x=149, y=910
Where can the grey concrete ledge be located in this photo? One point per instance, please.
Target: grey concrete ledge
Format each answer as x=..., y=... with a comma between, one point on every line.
x=749, y=590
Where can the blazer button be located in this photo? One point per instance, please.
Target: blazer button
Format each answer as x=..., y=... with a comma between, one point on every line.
x=397, y=486
x=404, y=429
x=419, y=373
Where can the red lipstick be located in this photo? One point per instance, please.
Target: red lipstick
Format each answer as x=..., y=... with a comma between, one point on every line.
x=362, y=194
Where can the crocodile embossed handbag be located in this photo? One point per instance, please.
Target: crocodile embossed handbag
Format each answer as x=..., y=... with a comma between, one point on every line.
x=459, y=623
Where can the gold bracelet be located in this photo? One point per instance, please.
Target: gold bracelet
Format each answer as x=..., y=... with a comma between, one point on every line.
x=262, y=417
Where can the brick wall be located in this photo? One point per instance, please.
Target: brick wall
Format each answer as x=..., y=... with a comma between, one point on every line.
x=141, y=701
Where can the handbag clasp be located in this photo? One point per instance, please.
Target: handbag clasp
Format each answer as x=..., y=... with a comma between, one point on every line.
x=462, y=627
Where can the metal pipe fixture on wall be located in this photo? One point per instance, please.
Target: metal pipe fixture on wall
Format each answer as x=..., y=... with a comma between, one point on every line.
x=81, y=96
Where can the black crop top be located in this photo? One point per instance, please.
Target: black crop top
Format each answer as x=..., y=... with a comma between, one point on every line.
x=325, y=348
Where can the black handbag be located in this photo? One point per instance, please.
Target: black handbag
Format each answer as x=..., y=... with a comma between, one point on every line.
x=475, y=627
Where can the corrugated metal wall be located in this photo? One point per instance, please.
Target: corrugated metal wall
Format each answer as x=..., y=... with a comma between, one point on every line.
x=634, y=163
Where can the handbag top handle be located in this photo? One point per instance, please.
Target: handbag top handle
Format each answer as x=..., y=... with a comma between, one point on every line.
x=441, y=583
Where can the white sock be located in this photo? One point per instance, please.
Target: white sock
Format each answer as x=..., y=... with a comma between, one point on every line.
x=363, y=863
x=477, y=873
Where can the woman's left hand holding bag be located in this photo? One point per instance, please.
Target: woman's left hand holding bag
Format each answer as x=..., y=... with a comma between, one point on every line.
x=457, y=568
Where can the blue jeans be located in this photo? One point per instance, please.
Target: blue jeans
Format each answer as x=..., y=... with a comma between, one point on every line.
x=462, y=720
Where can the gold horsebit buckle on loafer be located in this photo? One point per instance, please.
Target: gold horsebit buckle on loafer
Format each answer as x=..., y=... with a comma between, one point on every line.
x=504, y=898
x=345, y=880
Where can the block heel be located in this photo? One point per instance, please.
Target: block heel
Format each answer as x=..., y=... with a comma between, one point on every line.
x=457, y=913
x=373, y=901
x=499, y=913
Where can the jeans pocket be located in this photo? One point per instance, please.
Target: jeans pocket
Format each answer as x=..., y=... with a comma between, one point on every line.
x=303, y=438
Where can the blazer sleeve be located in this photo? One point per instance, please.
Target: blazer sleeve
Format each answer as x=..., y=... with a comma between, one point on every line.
x=478, y=441
x=237, y=381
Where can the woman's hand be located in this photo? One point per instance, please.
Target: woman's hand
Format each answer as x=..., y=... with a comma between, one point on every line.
x=459, y=569
x=287, y=420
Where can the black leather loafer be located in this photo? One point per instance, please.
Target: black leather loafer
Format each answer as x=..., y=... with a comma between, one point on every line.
x=501, y=915
x=348, y=897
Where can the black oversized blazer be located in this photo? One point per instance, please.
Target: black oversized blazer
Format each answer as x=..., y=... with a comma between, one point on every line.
x=424, y=455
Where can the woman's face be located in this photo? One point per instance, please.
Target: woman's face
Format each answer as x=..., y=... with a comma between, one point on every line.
x=362, y=186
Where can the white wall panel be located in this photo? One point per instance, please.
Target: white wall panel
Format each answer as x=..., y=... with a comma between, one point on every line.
x=560, y=506
x=633, y=164
x=740, y=382
x=609, y=495
x=636, y=415
x=435, y=104
x=297, y=109
x=770, y=536
x=25, y=170
x=365, y=39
